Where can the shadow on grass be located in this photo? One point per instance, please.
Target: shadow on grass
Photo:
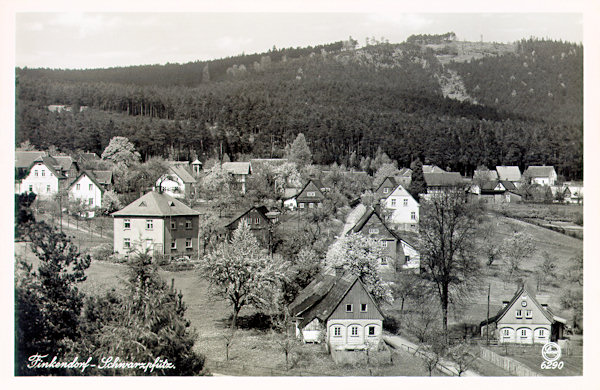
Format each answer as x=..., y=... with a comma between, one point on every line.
x=255, y=321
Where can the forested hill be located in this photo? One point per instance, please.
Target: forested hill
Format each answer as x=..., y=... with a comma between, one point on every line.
x=346, y=100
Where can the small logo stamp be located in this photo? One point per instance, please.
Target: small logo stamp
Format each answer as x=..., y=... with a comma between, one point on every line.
x=551, y=352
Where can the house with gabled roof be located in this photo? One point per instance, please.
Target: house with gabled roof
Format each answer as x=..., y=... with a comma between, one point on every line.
x=310, y=196
x=438, y=182
x=68, y=166
x=543, y=175
x=45, y=178
x=178, y=182
x=239, y=171
x=432, y=169
x=523, y=320
x=337, y=308
x=510, y=173
x=88, y=190
x=259, y=222
x=385, y=188
x=395, y=258
x=403, y=208
x=159, y=223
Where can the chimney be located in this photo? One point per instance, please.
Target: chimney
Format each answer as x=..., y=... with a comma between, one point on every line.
x=504, y=304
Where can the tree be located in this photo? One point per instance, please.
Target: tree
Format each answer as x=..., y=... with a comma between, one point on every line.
x=490, y=247
x=385, y=170
x=516, y=249
x=417, y=184
x=48, y=301
x=448, y=229
x=462, y=356
x=299, y=152
x=242, y=273
x=361, y=256
x=120, y=150
x=546, y=269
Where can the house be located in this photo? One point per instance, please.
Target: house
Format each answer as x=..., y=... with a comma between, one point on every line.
x=403, y=207
x=509, y=173
x=311, y=195
x=240, y=172
x=178, y=182
x=45, y=178
x=437, y=182
x=337, y=309
x=259, y=222
x=385, y=188
x=24, y=159
x=159, y=223
x=432, y=169
x=68, y=166
x=289, y=197
x=523, y=320
x=88, y=190
x=395, y=258
x=404, y=177
x=542, y=175
x=104, y=178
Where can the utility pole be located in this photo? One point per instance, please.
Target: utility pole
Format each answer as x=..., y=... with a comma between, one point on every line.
x=487, y=328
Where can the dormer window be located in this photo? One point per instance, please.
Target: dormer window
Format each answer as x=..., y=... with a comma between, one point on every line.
x=142, y=204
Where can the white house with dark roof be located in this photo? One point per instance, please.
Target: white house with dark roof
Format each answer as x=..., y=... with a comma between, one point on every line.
x=403, y=207
x=88, y=190
x=543, y=175
x=523, y=320
x=240, y=172
x=338, y=310
x=179, y=181
x=159, y=223
x=45, y=178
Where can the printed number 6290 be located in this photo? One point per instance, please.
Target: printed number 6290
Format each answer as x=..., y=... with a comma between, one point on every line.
x=552, y=365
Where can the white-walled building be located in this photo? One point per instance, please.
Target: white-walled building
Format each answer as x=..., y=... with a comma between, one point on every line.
x=178, y=182
x=404, y=209
x=45, y=178
x=87, y=189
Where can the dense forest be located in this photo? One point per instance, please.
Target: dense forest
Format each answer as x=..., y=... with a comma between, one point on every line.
x=345, y=100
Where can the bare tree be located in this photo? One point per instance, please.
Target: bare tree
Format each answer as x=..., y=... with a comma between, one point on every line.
x=228, y=336
x=516, y=249
x=448, y=229
x=545, y=270
x=462, y=356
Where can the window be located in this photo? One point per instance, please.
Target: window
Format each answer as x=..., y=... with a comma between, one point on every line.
x=373, y=230
x=310, y=193
x=519, y=314
x=43, y=172
x=78, y=186
x=188, y=224
x=126, y=224
x=384, y=261
x=91, y=201
x=311, y=205
x=506, y=332
x=256, y=221
x=413, y=215
x=30, y=188
x=149, y=224
x=405, y=203
x=301, y=205
x=90, y=187
x=407, y=258
x=36, y=172
x=354, y=331
x=173, y=225
x=48, y=188
x=363, y=307
x=188, y=242
x=349, y=308
x=337, y=331
x=393, y=202
x=51, y=174
x=384, y=243
x=126, y=243
x=541, y=333
x=523, y=332
x=386, y=190
x=528, y=314
x=173, y=244
x=371, y=331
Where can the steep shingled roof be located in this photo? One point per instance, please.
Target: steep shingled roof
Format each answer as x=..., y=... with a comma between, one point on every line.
x=539, y=171
x=91, y=177
x=237, y=168
x=445, y=179
x=51, y=164
x=508, y=173
x=517, y=295
x=261, y=210
x=180, y=170
x=103, y=177
x=155, y=204
x=24, y=158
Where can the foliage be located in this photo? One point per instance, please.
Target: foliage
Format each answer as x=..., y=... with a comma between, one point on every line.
x=102, y=252
x=110, y=202
x=516, y=249
x=299, y=152
x=417, y=184
x=23, y=212
x=545, y=270
x=47, y=301
x=120, y=151
x=241, y=272
x=361, y=256
x=448, y=229
x=462, y=356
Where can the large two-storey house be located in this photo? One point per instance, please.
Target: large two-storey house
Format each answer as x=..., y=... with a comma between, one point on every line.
x=338, y=309
x=159, y=223
x=403, y=209
x=45, y=178
x=86, y=189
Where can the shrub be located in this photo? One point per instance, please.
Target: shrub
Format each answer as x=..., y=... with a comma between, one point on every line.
x=102, y=252
x=390, y=324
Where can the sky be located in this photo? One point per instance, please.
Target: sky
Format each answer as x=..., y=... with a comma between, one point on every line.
x=108, y=39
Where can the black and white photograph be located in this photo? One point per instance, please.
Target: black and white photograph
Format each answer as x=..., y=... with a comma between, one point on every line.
x=334, y=190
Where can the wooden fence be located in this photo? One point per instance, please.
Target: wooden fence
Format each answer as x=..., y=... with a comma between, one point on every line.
x=512, y=366
x=241, y=369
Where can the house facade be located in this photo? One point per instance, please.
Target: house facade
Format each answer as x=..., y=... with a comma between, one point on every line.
x=178, y=182
x=86, y=189
x=441, y=181
x=259, y=222
x=523, y=320
x=240, y=172
x=542, y=175
x=311, y=196
x=338, y=310
x=159, y=223
x=45, y=178
x=403, y=207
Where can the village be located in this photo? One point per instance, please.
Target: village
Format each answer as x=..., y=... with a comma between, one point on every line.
x=348, y=247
